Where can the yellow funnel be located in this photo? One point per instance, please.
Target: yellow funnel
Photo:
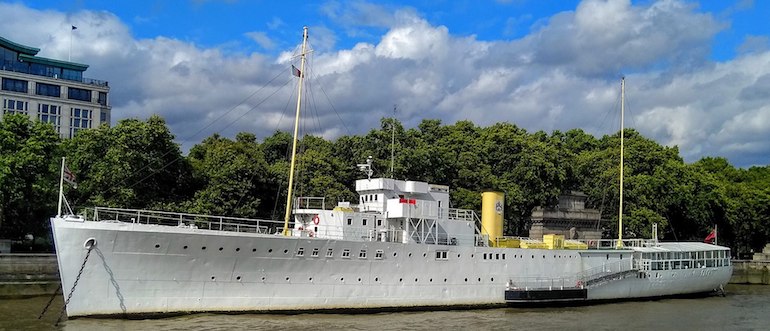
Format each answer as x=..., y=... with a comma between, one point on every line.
x=492, y=205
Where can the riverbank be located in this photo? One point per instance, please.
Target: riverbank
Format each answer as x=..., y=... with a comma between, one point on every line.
x=751, y=272
x=28, y=275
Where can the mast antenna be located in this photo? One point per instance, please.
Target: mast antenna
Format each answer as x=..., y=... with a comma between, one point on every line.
x=301, y=75
x=622, y=113
x=367, y=167
x=393, y=141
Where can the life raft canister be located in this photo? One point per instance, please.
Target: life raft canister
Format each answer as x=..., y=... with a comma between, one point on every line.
x=316, y=220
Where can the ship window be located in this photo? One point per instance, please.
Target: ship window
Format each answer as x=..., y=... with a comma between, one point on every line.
x=497, y=256
x=329, y=252
x=346, y=253
x=378, y=254
x=608, y=256
x=441, y=255
x=362, y=254
x=485, y=256
x=350, y=221
x=315, y=252
x=503, y=256
x=379, y=222
x=301, y=252
x=363, y=222
x=375, y=197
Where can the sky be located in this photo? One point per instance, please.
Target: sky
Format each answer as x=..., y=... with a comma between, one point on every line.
x=697, y=73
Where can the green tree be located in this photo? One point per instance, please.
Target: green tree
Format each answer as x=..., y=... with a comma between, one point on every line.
x=29, y=164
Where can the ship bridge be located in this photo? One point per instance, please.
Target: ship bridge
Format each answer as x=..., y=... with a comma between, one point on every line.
x=389, y=210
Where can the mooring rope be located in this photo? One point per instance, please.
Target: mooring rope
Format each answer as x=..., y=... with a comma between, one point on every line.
x=48, y=305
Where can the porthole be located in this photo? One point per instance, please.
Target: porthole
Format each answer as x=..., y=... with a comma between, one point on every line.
x=238, y=278
x=342, y=279
x=472, y=255
x=410, y=254
x=479, y=279
x=263, y=278
x=285, y=251
x=213, y=278
x=394, y=254
x=221, y=248
x=376, y=279
x=458, y=256
x=237, y=249
x=533, y=256
x=203, y=248
x=270, y=250
x=491, y=279
x=444, y=280
x=185, y=247
x=310, y=279
x=430, y=280
x=466, y=280
x=359, y=279
x=157, y=245
x=543, y=255
x=415, y=280
x=424, y=254
x=400, y=279
x=253, y=249
x=287, y=279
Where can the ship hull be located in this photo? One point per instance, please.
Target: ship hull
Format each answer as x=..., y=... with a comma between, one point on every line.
x=149, y=269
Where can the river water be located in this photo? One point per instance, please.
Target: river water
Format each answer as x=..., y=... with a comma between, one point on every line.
x=746, y=307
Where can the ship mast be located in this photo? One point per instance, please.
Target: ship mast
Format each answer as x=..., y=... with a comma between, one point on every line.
x=622, y=113
x=393, y=141
x=296, y=128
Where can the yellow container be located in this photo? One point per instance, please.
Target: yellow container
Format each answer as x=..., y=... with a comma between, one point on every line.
x=533, y=244
x=508, y=242
x=492, y=204
x=554, y=241
x=574, y=244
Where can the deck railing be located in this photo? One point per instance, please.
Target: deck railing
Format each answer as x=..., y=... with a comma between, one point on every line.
x=200, y=221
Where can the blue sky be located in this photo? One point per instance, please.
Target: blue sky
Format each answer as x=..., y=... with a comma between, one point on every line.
x=698, y=73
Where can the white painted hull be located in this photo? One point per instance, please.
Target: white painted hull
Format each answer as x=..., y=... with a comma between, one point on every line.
x=145, y=269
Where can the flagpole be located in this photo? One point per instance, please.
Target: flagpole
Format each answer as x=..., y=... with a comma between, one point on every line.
x=715, y=234
x=69, y=55
x=61, y=188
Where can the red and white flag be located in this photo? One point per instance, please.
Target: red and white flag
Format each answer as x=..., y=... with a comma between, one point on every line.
x=69, y=177
x=295, y=71
x=711, y=237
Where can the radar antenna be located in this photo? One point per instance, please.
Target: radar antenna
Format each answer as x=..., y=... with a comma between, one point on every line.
x=367, y=167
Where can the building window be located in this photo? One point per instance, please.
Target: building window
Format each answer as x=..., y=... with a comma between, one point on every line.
x=49, y=114
x=103, y=117
x=48, y=90
x=11, y=106
x=102, y=98
x=14, y=85
x=75, y=93
x=79, y=119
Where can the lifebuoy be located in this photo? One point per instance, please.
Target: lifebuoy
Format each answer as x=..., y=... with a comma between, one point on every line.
x=579, y=284
x=316, y=220
x=310, y=233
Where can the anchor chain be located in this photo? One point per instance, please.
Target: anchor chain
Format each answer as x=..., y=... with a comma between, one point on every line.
x=48, y=305
x=69, y=296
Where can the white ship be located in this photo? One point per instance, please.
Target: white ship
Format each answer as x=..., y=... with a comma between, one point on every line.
x=399, y=247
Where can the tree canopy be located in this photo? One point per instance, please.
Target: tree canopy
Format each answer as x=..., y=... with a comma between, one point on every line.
x=136, y=164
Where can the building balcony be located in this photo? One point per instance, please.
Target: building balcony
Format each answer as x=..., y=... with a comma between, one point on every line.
x=24, y=69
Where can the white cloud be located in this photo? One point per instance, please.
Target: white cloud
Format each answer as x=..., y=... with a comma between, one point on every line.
x=261, y=39
x=562, y=75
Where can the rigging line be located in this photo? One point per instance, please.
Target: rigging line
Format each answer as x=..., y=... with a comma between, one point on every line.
x=610, y=117
x=231, y=123
x=332, y=105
